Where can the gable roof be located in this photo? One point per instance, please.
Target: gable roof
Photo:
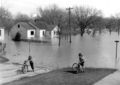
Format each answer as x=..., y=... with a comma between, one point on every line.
x=39, y=24
x=26, y=25
x=51, y=27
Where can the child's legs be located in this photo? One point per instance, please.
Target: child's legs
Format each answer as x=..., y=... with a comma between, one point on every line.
x=26, y=67
x=82, y=66
x=32, y=66
x=23, y=68
x=79, y=66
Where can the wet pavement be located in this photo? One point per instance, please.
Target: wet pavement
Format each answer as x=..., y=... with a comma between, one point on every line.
x=112, y=79
x=10, y=72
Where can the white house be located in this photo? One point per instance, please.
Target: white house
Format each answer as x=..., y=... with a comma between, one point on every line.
x=42, y=33
x=45, y=30
x=30, y=33
x=41, y=26
x=25, y=29
x=2, y=34
x=52, y=31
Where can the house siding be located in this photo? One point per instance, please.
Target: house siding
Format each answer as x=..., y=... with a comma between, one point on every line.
x=54, y=32
x=21, y=30
x=2, y=34
x=42, y=33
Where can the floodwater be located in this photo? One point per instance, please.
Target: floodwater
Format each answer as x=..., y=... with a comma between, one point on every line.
x=99, y=51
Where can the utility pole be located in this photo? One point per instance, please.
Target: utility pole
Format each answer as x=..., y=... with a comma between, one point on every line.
x=59, y=31
x=29, y=47
x=69, y=12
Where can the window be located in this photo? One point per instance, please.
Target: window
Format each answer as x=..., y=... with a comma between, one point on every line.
x=32, y=32
x=18, y=26
x=43, y=33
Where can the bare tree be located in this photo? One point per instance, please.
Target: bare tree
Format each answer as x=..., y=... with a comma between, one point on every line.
x=52, y=14
x=6, y=19
x=5, y=13
x=85, y=17
x=22, y=18
x=111, y=23
x=117, y=22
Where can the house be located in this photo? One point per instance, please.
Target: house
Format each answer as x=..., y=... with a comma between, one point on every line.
x=46, y=30
x=2, y=34
x=2, y=31
x=33, y=29
x=24, y=30
x=42, y=26
x=52, y=31
x=3, y=39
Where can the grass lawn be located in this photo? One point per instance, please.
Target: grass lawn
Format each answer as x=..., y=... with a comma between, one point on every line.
x=65, y=76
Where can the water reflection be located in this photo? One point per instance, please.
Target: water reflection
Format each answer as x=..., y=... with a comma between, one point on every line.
x=99, y=51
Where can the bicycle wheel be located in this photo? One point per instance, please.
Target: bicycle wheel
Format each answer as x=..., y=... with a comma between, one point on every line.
x=75, y=67
x=23, y=70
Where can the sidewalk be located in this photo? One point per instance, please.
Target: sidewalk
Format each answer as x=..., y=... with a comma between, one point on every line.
x=112, y=79
x=8, y=72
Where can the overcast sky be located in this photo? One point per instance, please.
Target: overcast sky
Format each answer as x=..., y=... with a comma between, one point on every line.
x=108, y=7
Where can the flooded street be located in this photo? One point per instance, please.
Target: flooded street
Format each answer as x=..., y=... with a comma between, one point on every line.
x=99, y=51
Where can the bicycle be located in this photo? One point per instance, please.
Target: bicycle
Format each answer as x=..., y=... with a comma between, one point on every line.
x=76, y=67
x=24, y=68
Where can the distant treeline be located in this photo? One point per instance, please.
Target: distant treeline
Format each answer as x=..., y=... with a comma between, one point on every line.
x=80, y=18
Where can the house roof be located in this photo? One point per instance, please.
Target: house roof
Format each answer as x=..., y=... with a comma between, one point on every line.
x=26, y=25
x=51, y=27
x=39, y=24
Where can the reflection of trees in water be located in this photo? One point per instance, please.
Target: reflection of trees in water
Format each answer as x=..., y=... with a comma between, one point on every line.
x=100, y=31
x=94, y=33
x=88, y=32
x=118, y=31
x=110, y=30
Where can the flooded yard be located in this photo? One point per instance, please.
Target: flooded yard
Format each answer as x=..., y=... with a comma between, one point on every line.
x=99, y=51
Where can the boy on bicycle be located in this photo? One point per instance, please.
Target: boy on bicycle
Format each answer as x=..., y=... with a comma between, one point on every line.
x=25, y=67
x=81, y=62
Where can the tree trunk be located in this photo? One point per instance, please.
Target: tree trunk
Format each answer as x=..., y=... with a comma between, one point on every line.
x=82, y=31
